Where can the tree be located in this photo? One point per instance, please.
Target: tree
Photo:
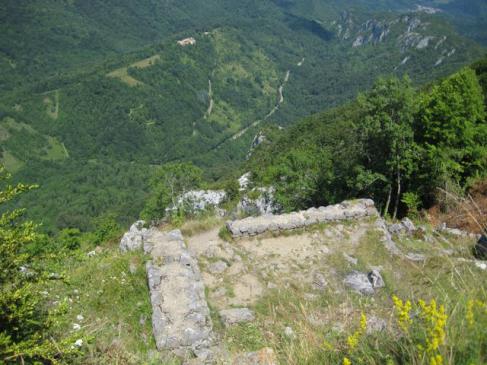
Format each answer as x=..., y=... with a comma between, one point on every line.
x=452, y=128
x=170, y=182
x=387, y=135
x=23, y=322
x=298, y=176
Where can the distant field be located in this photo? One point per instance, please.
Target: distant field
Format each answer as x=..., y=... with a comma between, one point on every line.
x=11, y=163
x=122, y=73
x=21, y=143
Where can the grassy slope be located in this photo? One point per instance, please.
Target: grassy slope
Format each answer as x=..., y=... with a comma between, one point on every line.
x=109, y=291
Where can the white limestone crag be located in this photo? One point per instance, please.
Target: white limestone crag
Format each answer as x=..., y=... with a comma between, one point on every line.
x=244, y=181
x=198, y=200
x=271, y=223
x=263, y=204
x=180, y=315
x=135, y=237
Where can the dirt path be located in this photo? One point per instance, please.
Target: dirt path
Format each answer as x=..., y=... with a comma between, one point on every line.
x=280, y=100
x=240, y=272
x=210, y=97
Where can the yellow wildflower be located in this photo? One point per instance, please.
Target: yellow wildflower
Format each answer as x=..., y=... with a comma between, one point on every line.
x=346, y=361
x=436, y=360
x=353, y=339
x=363, y=322
x=469, y=315
x=327, y=345
x=403, y=310
x=435, y=319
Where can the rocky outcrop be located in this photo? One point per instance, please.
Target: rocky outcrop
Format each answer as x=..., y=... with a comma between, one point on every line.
x=457, y=232
x=199, y=200
x=244, y=181
x=180, y=314
x=135, y=237
x=272, y=223
x=364, y=283
x=262, y=204
x=405, y=226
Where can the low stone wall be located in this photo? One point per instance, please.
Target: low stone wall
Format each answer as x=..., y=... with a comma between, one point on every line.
x=180, y=315
x=252, y=226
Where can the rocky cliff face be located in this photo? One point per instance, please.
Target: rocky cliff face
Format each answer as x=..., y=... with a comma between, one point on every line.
x=407, y=33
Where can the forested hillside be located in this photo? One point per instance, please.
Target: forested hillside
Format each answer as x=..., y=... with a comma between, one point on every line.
x=405, y=148
x=307, y=178
x=96, y=95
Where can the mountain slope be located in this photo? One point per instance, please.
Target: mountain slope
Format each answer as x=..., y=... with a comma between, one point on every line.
x=203, y=102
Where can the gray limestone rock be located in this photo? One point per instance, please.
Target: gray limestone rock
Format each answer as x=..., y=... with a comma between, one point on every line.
x=375, y=324
x=289, y=332
x=359, y=282
x=135, y=237
x=217, y=267
x=264, y=356
x=251, y=226
x=406, y=226
x=376, y=279
x=413, y=256
x=364, y=283
x=180, y=314
x=236, y=315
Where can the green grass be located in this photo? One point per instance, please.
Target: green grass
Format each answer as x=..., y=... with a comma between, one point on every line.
x=22, y=143
x=11, y=163
x=244, y=337
x=110, y=291
x=200, y=224
x=122, y=73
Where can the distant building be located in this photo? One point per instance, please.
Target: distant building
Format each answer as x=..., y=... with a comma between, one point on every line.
x=187, y=42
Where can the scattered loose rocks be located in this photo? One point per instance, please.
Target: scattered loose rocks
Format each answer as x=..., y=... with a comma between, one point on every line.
x=364, y=283
x=236, y=315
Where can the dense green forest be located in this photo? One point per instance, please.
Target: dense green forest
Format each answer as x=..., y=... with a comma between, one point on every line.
x=88, y=110
x=396, y=144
